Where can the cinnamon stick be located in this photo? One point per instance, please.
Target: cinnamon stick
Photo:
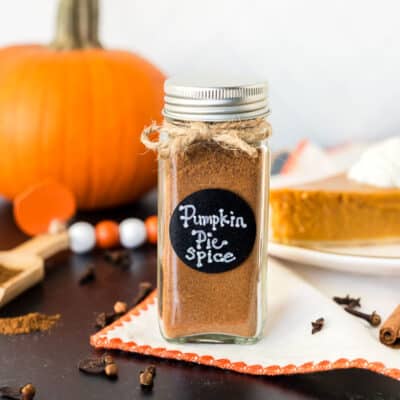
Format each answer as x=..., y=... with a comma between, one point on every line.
x=390, y=330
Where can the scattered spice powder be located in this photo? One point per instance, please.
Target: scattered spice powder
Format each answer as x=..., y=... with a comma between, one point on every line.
x=28, y=323
x=7, y=273
x=194, y=302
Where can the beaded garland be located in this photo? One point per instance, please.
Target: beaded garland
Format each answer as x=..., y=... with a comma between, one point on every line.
x=131, y=233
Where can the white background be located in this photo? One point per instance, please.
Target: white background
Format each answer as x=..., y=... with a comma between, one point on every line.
x=333, y=66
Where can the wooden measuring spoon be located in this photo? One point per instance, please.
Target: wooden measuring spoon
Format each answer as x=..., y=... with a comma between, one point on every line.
x=29, y=259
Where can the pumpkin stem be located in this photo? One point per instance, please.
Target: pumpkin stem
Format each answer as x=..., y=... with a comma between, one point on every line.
x=77, y=25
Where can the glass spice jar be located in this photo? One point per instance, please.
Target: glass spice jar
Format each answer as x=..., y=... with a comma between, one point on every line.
x=213, y=193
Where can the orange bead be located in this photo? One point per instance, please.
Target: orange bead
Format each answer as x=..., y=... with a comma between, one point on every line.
x=151, y=227
x=107, y=234
x=40, y=204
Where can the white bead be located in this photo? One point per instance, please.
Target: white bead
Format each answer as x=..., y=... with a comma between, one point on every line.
x=82, y=237
x=132, y=233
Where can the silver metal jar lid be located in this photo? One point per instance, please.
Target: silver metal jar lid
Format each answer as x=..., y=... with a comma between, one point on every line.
x=213, y=101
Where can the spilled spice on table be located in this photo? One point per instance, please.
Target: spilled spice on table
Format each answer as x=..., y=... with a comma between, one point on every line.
x=33, y=322
x=7, y=273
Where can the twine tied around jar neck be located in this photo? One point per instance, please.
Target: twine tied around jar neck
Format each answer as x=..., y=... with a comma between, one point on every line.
x=233, y=135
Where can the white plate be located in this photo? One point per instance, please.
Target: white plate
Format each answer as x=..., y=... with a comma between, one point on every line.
x=383, y=259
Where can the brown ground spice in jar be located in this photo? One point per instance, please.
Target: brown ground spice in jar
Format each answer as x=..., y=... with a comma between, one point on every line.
x=28, y=323
x=213, y=195
x=7, y=273
x=223, y=302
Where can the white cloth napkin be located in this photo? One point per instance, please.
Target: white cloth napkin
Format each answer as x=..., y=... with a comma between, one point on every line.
x=297, y=295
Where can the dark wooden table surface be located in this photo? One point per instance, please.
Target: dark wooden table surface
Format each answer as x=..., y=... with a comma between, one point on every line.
x=49, y=359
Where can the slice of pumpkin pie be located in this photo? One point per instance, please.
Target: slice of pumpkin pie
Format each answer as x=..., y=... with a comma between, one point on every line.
x=360, y=206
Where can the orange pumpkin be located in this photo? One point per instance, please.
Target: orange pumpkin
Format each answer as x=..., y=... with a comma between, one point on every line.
x=73, y=112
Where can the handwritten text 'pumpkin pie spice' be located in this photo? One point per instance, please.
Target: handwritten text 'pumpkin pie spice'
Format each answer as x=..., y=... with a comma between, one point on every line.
x=213, y=210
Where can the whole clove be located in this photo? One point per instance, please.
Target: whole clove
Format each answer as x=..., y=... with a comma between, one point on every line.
x=348, y=301
x=92, y=365
x=111, y=370
x=87, y=276
x=103, y=319
x=146, y=377
x=99, y=365
x=144, y=290
x=118, y=258
x=317, y=325
x=26, y=392
x=108, y=359
x=120, y=307
x=373, y=319
x=8, y=392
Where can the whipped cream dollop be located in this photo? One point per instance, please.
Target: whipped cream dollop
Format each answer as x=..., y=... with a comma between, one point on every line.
x=379, y=165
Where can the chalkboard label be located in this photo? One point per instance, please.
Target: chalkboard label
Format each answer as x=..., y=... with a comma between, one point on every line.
x=213, y=230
